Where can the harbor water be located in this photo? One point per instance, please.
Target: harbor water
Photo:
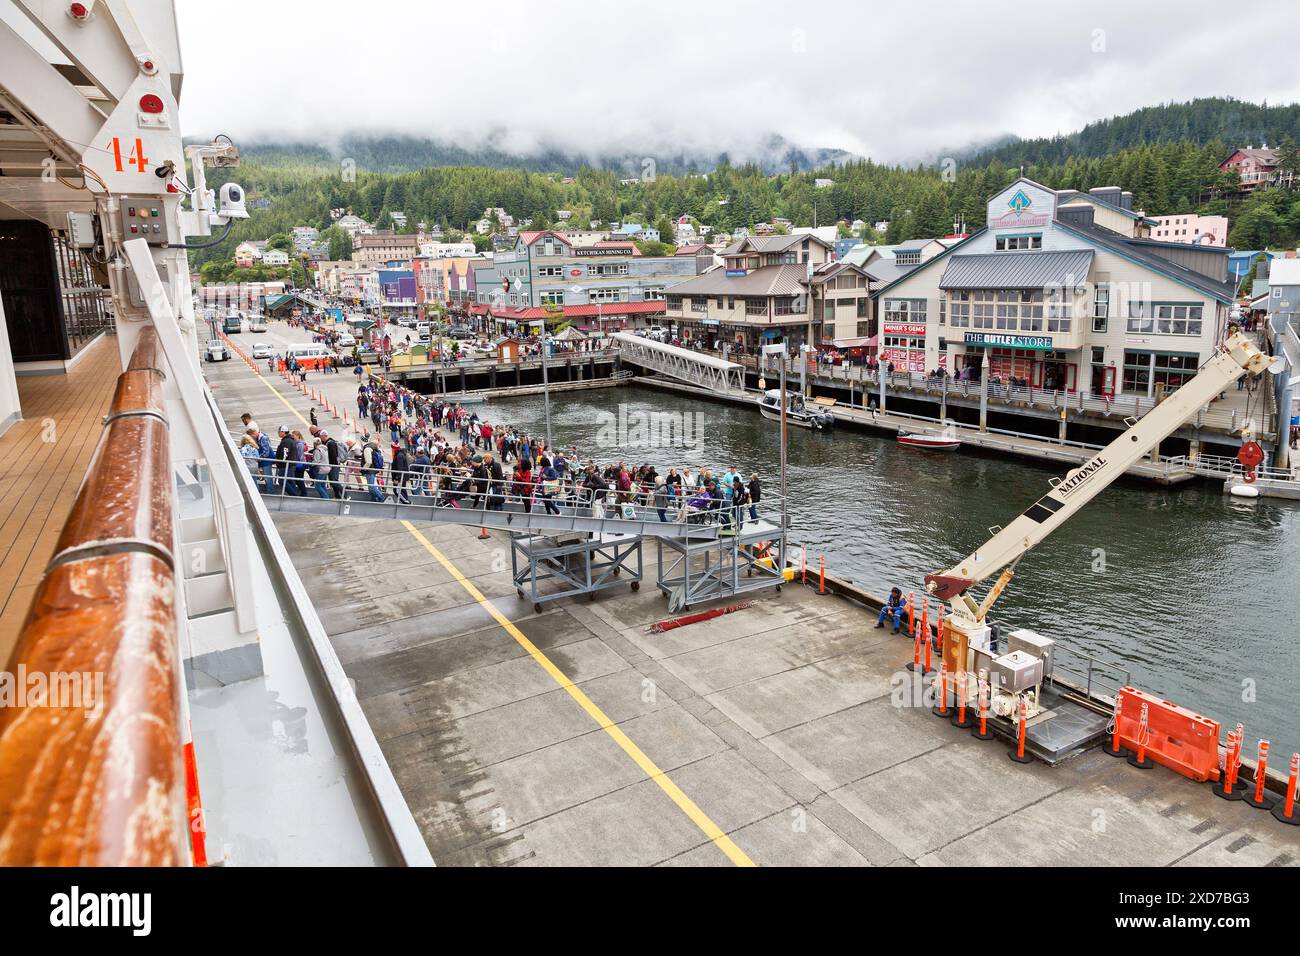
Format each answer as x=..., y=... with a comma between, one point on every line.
x=1194, y=592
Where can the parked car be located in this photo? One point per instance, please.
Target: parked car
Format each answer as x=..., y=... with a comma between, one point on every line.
x=261, y=350
x=346, y=341
x=216, y=351
x=460, y=333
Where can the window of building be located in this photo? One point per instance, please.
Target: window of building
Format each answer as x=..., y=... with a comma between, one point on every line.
x=788, y=306
x=674, y=303
x=1060, y=311
x=552, y=298
x=1016, y=243
x=862, y=308
x=756, y=306
x=863, y=330
x=908, y=311
x=1100, y=308
x=653, y=293
x=1165, y=318
x=607, y=269
x=1145, y=370
x=699, y=305
x=610, y=295
x=551, y=272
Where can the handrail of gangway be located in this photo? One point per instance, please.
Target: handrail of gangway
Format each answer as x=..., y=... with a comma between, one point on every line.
x=91, y=769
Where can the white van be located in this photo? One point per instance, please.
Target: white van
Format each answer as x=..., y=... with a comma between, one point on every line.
x=309, y=356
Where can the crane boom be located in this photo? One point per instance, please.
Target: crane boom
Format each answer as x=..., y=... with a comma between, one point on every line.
x=1237, y=357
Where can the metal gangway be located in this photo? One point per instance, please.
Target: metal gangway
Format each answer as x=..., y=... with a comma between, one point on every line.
x=497, y=509
x=685, y=365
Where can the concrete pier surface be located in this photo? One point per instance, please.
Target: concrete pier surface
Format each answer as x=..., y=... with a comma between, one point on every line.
x=787, y=733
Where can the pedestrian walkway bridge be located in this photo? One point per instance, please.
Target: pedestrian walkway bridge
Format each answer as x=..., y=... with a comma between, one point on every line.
x=509, y=515
x=688, y=366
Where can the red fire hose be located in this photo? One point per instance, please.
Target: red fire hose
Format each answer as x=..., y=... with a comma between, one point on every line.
x=660, y=626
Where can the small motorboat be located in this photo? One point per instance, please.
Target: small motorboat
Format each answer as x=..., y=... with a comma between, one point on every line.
x=797, y=411
x=948, y=441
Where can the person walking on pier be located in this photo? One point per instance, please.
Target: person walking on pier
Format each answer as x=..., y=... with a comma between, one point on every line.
x=284, y=462
x=334, y=455
x=401, y=475
x=739, y=499
x=894, y=607
x=755, y=495
x=372, y=464
x=320, y=471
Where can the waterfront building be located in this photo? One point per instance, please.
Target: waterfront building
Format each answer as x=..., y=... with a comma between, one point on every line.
x=432, y=249
x=601, y=318
x=1189, y=227
x=548, y=268
x=1061, y=290
x=761, y=294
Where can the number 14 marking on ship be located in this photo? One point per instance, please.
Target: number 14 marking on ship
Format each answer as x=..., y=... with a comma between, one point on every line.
x=136, y=157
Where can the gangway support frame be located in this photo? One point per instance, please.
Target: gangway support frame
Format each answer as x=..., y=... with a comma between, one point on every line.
x=581, y=564
x=696, y=572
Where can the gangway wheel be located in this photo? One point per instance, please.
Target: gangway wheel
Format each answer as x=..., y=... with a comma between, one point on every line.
x=636, y=585
x=537, y=609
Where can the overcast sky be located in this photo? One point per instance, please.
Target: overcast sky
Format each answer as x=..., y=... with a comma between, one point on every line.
x=892, y=80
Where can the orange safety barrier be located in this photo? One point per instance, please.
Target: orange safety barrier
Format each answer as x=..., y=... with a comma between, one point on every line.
x=1017, y=753
x=981, y=731
x=1177, y=738
x=915, y=664
x=911, y=611
x=940, y=709
x=1116, y=749
x=1257, y=798
x=1140, y=758
x=821, y=588
x=1284, y=810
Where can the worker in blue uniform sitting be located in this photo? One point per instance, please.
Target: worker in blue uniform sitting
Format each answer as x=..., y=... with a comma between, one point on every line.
x=895, y=608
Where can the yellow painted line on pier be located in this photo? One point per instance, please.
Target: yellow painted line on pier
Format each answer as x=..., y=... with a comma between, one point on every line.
x=648, y=766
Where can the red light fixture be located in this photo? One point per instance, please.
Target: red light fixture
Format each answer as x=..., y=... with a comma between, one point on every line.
x=151, y=103
x=78, y=11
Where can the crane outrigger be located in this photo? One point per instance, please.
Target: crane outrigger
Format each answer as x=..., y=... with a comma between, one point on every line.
x=966, y=627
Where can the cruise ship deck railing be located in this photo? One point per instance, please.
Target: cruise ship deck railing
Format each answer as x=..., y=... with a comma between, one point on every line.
x=90, y=766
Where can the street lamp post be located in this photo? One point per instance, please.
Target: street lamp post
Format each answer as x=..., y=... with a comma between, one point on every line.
x=780, y=352
x=880, y=375
x=984, y=392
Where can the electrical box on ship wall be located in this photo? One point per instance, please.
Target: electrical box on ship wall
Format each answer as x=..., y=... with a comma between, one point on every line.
x=143, y=217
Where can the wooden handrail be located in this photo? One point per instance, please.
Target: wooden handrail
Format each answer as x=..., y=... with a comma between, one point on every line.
x=97, y=780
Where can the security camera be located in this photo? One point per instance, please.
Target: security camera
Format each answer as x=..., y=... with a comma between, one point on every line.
x=232, y=203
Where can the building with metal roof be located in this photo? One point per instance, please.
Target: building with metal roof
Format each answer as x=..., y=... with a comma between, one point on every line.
x=1062, y=290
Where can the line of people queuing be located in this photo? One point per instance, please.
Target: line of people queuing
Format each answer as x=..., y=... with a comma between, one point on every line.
x=447, y=454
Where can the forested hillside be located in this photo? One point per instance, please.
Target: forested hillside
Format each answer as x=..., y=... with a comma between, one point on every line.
x=923, y=201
